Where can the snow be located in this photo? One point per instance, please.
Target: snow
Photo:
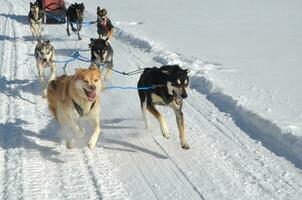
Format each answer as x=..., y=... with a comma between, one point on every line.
x=242, y=116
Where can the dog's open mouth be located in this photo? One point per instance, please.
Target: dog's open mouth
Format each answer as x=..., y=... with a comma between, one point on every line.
x=90, y=94
x=177, y=98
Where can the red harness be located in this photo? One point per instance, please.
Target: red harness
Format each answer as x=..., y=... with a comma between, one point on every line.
x=104, y=24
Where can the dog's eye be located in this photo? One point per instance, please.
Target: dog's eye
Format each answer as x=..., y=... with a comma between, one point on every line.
x=86, y=81
x=96, y=80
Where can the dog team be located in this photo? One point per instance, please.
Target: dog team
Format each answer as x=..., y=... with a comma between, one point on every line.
x=75, y=98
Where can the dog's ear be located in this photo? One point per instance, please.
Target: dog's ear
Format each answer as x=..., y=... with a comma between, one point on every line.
x=93, y=67
x=92, y=40
x=31, y=4
x=48, y=42
x=79, y=71
x=98, y=8
x=186, y=70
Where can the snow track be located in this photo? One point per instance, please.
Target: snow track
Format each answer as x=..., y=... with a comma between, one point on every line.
x=129, y=162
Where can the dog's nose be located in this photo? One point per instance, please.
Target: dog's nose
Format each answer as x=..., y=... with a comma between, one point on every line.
x=44, y=59
x=184, y=94
x=92, y=87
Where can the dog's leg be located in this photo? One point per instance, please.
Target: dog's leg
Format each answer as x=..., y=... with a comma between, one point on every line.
x=144, y=110
x=181, y=128
x=94, y=138
x=78, y=31
x=42, y=81
x=76, y=128
x=67, y=29
x=53, y=72
x=68, y=138
x=108, y=67
x=161, y=120
x=32, y=30
x=40, y=30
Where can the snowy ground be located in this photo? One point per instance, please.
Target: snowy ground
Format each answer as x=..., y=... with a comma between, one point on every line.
x=236, y=153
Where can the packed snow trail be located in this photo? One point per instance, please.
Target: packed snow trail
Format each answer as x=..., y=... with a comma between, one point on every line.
x=128, y=162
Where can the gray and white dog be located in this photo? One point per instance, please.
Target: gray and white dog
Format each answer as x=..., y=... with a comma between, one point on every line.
x=35, y=19
x=102, y=55
x=45, y=57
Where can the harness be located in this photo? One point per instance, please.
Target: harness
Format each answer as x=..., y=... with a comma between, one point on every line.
x=104, y=24
x=79, y=109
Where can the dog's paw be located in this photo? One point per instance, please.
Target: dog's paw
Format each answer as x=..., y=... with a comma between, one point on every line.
x=166, y=134
x=81, y=132
x=91, y=143
x=185, y=145
x=70, y=145
x=44, y=94
x=93, y=140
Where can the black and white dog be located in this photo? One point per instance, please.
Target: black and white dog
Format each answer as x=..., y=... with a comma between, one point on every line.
x=35, y=19
x=170, y=84
x=105, y=27
x=75, y=15
x=45, y=57
x=102, y=54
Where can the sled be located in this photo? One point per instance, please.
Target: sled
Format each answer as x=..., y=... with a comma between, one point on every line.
x=54, y=11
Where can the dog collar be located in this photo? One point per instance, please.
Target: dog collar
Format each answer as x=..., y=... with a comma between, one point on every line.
x=79, y=109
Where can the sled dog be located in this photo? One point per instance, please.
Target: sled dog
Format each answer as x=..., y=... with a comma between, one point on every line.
x=75, y=98
x=104, y=25
x=102, y=55
x=170, y=84
x=35, y=18
x=45, y=57
x=75, y=15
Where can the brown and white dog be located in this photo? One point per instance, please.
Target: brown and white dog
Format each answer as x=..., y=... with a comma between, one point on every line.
x=75, y=98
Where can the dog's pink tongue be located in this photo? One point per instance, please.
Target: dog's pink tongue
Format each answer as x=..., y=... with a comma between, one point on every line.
x=91, y=95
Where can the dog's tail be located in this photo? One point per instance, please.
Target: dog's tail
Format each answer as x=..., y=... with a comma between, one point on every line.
x=51, y=97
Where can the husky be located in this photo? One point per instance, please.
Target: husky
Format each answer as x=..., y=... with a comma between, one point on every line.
x=45, y=57
x=35, y=19
x=170, y=84
x=75, y=98
x=104, y=25
x=102, y=54
x=75, y=15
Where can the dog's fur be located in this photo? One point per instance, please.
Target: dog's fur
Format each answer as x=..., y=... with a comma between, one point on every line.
x=102, y=54
x=67, y=93
x=75, y=15
x=35, y=19
x=105, y=27
x=45, y=56
x=170, y=83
